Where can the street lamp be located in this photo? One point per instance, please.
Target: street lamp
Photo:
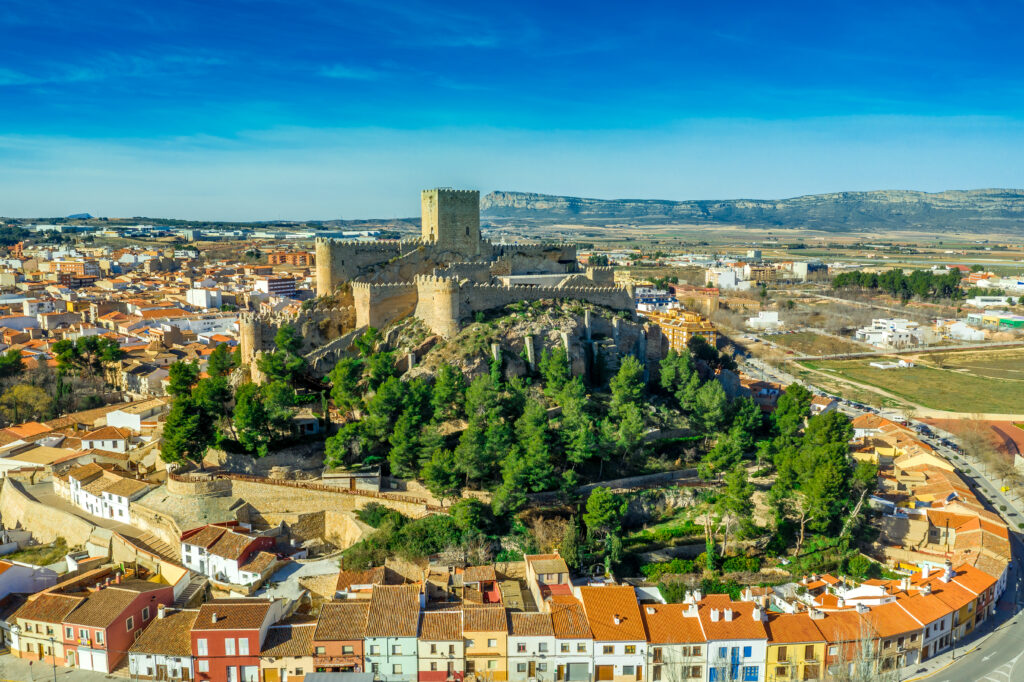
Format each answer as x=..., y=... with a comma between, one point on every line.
x=53, y=658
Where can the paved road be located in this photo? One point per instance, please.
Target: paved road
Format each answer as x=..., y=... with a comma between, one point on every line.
x=13, y=669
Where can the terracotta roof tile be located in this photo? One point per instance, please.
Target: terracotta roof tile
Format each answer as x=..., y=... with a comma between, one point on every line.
x=666, y=624
x=568, y=619
x=342, y=621
x=796, y=628
x=484, y=618
x=531, y=625
x=288, y=641
x=613, y=613
x=232, y=614
x=441, y=626
x=170, y=635
x=394, y=611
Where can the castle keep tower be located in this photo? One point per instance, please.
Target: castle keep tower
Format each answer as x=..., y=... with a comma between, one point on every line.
x=451, y=219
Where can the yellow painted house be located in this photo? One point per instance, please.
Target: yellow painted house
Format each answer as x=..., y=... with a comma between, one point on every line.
x=485, y=630
x=796, y=648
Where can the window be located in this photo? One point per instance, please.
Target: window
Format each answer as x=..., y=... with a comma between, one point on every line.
x=433, y=665
x=656, y=674
x=451, y=649
x=564, y=647
x=542, y=667
x=491, y=643
x=201, y=647
x=243, y=646
x=809, y=652
x=750, y=673
x=520, y=648
x=433, y=648
x=492, y=664
x=470, y=643
x=130, y=623
x=320, y=651
x=631, y=648
x=82, y=633
x=747, y=651
x=781, y=671
x=396, y=649
x=833, y=650
x=608, y=650
x=520, y=667
x=581, y=648
x=229, y=646
x=204, y=666
x=145, y=613
x=347, y=649
x=69, y=633
x=374, y=650
x=376, y=668
x=99, y=636
x=396, y=668
x=298, y=671
x=783, y=654
x=542, y=647
x=628, y=670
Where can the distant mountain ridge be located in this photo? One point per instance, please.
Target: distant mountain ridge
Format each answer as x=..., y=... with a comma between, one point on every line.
x=977, y=210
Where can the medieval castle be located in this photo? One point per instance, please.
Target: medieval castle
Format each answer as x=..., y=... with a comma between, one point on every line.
x=443, y=278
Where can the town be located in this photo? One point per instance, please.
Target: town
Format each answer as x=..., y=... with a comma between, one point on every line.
x=284, y=455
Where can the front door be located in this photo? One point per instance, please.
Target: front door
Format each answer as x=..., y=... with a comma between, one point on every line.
x=533, y=669
x=161, y=671
x=606, y=672
x=232, y=674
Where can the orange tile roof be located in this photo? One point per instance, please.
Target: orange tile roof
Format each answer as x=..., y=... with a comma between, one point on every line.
x=613, y=613
x=666, y=624
x=843, y=626
x=786, y=628
x=742, y=625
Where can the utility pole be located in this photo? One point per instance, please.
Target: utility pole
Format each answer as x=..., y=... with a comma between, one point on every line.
x=53, y=658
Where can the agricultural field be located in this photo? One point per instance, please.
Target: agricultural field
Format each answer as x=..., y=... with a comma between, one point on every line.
x=979, y=384
x=813, y=343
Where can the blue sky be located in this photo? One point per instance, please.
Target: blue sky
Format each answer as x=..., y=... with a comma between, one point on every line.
x=262, y=109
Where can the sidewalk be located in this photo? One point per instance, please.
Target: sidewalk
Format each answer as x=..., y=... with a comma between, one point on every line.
x=14, y=669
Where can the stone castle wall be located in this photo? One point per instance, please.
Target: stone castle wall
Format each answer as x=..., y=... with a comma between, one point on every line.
x=443, y=303
x=338, y=261
x=475, y=272
x=377, y=305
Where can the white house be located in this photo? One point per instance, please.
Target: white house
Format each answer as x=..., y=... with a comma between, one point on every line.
x=227, y=554
x=766, y=319
x=110, y=438
x=737, y=640
x=531, y=647
x=100, y=491
x=204, y=298
x=163, y=650
x=677, y=642
x=574, y=658
x=620, y=642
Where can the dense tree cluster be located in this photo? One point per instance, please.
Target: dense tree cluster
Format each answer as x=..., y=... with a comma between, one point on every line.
x=920, y=283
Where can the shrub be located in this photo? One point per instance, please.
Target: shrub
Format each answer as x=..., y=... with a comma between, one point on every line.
x=735, y=564
x=1002, y=507
x=375, y=514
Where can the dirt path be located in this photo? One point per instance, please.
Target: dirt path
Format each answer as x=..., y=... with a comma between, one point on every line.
x=919, y=410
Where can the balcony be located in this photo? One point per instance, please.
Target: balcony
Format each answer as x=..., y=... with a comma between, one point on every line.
x=342, y=661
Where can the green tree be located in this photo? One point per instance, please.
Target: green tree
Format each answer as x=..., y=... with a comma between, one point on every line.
x=182, y=376
x=24, y=402
x=571, y=547
x=10, y=363
x=734, y=505
x=441, y=475
x=345, y=379
x=184, y=438
x=250, y=420
x=379, y=368
x=449, y=396
x=604, y=512
x=627, y=386
x=288, y=339
x=710, y=411
x=220, y=363
x=554, y=369
x=746, y=423
x=279, y=399
x=366, y=343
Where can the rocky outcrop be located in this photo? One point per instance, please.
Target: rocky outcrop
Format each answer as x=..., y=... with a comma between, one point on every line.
x=982, y=210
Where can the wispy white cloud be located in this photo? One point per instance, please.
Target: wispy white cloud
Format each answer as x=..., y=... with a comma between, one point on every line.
x=352, y=73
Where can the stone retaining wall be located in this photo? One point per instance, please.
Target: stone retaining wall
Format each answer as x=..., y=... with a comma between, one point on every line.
x=44, y=522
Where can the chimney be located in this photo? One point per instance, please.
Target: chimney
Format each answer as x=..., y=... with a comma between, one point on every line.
x=926, y=590
x=161, y=611
x=696, y=595
x=728, y=615
x=213, y=617
x=949, y=573
x=106, y=581
x=862, y=608
x=650, y=610
x=714, y=615
x=841, y=602
x=815, y=614
x=924, y=571
x=905, y=584
x=690, y=611
x=756, y=613
x=618, y=621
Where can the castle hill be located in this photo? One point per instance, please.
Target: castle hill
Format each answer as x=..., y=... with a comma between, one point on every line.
x=463, y=342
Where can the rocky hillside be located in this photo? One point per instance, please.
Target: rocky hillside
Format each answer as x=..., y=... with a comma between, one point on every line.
x=981, y=210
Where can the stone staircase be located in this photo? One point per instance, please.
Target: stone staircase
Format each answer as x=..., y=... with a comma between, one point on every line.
x=196, y=584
